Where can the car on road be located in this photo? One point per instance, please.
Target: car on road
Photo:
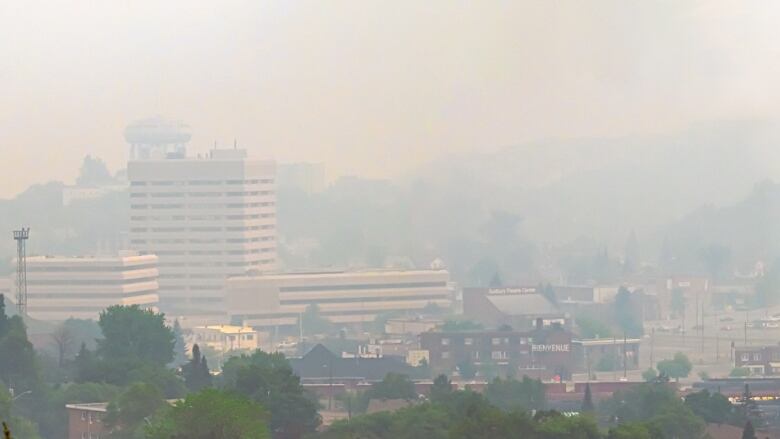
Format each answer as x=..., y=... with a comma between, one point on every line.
x=727, y=319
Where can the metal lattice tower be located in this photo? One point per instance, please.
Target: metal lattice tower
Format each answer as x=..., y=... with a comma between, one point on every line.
x=21, y=236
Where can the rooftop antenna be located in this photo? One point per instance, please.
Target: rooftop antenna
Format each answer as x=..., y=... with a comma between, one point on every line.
x=21, y=236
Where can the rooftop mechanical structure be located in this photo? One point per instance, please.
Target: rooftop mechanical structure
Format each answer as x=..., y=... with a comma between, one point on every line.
x=157, y=138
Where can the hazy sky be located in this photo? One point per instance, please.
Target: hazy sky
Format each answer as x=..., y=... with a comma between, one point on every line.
x=370, y=87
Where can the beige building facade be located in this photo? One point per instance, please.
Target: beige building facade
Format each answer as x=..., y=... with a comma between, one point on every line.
x=60, y=287
x=342, y=297
x=207, y=219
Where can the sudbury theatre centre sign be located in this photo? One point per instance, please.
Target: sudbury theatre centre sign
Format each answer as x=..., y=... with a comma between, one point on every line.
x=550, y=348
x=512, y=290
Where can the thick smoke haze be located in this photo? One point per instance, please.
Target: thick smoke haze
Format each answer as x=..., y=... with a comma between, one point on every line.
x=373, y=89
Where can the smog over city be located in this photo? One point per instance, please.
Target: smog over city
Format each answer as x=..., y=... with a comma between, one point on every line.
x=375, y=220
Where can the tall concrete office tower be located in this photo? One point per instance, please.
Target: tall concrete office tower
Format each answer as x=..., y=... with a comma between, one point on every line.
x=206, y=219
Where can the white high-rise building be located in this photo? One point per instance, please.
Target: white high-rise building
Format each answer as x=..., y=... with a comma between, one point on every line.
x=206, y=219
x=61, y=287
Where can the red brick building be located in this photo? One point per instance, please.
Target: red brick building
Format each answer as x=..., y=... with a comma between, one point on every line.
x=542, y=353
x=85, y=421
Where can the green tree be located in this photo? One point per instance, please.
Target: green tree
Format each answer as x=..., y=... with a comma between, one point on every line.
x=441, y=388
x=592, y=328
x=313, y=322
x=269, y=380
x=211, y=414
x=678, y=302
x=132, y=334
x=628, y=314
x=712, y=407
x=716, y=260
x=649, y=375
x=631, y=430
x=180, y=348
x=452, y=325
x=94, y=172
x=132, y=409
x=18, y=366
x=587, y=400
x=658, y=406
x=511, y=394
x=393, y=386
x=749, y=432
x=467, y=370
x=495, y=281
x=196, y=372
x=678, y=367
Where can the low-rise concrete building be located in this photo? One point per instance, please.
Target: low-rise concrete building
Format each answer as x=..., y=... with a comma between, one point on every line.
x=277, y=300
x=224, y=338
x=61, y=287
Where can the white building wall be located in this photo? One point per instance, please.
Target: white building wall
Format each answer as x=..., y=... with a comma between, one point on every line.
x=342, y=297
x=206, y=219
x=59, y=288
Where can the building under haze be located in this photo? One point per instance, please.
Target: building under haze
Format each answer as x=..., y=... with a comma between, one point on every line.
x=61, y=287
x=341, y=296
x=207, y=219
x=157, y=138
x=308, y=178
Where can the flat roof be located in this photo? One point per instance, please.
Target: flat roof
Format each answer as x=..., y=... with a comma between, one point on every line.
x=90, y=407
x=228, y=329
x=338, y=273
x=607, y=341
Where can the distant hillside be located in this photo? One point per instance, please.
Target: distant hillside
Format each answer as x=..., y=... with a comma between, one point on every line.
x=81, y=228
x=746, y=232
x=603, y=189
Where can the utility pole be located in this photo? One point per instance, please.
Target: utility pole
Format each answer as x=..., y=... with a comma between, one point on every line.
x=652, y=346
x=625, y=363
x=614, y=358
x=717, y=338
x=702, y=328
x=683, y=322
x=21, y=236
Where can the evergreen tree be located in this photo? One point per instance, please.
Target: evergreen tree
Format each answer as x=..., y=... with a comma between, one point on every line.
x=3, y=317
x=587, y=401
x=196, y=373
x=749, y=432
x=631, y=261
x=495, y=281
x=749, y=406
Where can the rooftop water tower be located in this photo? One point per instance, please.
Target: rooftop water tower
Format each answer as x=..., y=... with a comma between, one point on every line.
x=156, y=139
